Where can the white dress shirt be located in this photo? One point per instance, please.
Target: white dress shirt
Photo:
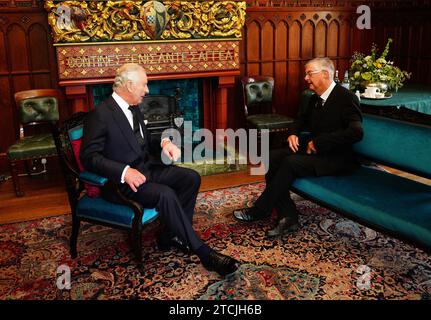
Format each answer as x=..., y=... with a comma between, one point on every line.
x=124, y=106
x=326, y=94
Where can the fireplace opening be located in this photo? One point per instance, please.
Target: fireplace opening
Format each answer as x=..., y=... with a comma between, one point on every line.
x=167, y=99
x=167, y=102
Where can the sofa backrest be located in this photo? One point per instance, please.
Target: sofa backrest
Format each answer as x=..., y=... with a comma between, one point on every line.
x=399, y=144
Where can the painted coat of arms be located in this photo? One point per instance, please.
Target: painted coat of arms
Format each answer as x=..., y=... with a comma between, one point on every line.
x=155, y=18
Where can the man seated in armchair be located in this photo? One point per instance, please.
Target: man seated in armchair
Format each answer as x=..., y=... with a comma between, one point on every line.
x=333, y=122
x=116, y=144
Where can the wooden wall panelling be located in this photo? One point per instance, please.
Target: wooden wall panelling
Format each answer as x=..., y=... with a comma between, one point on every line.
x=6, y=113
x=294, y=76
x=320, y=40
x=307, y=40
x=318, y=28
x=333, y=40
x=424, y=60
x=268, y=48
x=18, y=50
x=344, y=49
x=279, y=40
x=407, y=23
x=27, y=61
x=280, y=73
x=254, y=40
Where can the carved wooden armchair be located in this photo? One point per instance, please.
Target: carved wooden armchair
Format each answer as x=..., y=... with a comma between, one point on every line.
x=83, y=188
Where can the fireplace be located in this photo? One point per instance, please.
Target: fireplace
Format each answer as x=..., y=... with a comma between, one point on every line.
x=195, y=41
x=204, y=49
x=168, y=100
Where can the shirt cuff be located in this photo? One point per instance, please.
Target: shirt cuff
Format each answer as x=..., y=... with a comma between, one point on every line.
x=124, y=173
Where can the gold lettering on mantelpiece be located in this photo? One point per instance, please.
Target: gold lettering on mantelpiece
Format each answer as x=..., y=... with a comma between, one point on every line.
x=96, y=60
x=100, y=61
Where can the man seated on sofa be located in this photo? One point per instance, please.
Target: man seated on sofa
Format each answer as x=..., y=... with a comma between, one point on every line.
x=333, y=122
x=116, y=144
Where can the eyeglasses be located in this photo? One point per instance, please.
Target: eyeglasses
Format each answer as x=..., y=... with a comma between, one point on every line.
x=310, y=73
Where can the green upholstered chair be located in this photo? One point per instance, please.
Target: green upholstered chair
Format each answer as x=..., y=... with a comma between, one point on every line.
x=83, y=189
x=258, y=105
x=38, y=107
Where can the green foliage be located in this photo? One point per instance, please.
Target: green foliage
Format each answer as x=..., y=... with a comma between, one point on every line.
x=373, y=69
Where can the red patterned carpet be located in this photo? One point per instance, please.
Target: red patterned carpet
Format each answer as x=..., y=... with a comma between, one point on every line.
x=330, y=257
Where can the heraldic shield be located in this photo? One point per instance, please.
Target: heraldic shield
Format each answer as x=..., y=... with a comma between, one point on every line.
x=155, y=18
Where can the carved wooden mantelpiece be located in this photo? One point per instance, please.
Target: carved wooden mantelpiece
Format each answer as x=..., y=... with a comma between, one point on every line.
x=170, y=39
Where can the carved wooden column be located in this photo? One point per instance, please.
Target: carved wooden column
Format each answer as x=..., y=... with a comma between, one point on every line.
x=221, y=105
x=78, y=97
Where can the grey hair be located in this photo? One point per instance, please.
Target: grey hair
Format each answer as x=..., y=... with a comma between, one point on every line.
x=324, y=64
x=127, y=72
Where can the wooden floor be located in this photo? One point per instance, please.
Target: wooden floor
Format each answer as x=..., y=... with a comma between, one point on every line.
x=45, y=195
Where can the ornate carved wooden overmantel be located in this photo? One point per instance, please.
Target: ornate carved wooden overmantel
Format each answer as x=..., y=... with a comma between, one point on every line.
x=171, y=39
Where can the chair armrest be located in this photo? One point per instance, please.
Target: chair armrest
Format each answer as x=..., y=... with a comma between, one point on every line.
x=114, y=190
x=92, y=178
x=120, y=198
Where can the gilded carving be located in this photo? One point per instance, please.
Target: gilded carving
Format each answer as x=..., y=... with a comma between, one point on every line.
x=93, y=21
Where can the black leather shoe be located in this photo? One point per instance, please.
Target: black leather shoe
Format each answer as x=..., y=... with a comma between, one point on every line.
x=220, y=263
x=250, y=214
x=165, y=245
x=284, y=225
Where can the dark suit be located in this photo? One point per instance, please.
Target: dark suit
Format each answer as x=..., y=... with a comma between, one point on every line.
x=333, y=128
x=109, y=145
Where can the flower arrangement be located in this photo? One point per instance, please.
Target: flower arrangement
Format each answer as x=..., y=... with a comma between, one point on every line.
x=374, y=69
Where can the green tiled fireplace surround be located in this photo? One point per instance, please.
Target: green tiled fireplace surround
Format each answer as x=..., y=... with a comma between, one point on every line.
x=190, y=97
x=189, y=104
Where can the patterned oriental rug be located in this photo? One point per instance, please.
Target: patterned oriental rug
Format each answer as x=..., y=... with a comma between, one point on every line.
x=330, y=257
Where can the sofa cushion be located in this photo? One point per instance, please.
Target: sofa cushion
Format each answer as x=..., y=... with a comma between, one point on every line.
x=108, y=212
x=380, y=198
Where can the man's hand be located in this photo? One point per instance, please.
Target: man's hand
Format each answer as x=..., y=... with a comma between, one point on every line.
x=310, y=148
x=134, y=179
x=171, y=151
x=293, y=142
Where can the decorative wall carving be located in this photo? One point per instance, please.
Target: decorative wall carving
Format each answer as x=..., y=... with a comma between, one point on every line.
x=92, y=21
x=338, y=3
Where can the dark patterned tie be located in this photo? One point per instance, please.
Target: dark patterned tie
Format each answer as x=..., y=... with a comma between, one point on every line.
x=319, y=103
x=136, y=127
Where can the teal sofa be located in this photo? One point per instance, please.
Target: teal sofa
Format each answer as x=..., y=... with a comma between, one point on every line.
x=375, y=197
